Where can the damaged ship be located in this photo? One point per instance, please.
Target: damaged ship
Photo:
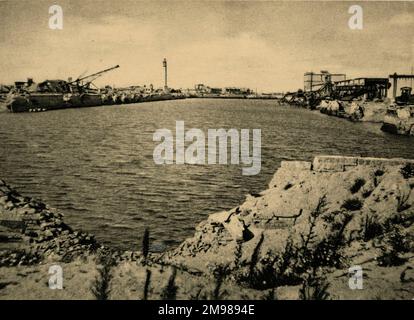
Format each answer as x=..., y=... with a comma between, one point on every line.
x=55, y=94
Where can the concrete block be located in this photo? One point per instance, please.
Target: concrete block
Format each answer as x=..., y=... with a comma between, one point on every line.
x=235, y=227
x=329, y=167
x=219, y=217
x=296, y=165
x=346, y=161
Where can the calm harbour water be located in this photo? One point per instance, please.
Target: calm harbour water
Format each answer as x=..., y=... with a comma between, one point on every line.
x=95, y=165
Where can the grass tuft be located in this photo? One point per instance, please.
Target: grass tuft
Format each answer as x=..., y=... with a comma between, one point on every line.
x=367, y=193
x=352, y=204
x=101, y=286
x=408, y=171
x=145, y=244
x=371, y=228
x=147, y=284
x=358, y=184
x=403, y=202
x=220, y=273
x=314, y=288
x=170, y=291
x=270, y=295
x=395, y=244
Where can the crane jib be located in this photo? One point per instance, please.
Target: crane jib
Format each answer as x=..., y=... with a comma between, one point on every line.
x=95, y=74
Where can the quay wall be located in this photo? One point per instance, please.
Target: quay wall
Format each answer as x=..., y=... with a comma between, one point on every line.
x=343, y=163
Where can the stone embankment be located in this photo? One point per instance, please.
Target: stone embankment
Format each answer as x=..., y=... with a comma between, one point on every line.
x=31, y=231
x=295, y=240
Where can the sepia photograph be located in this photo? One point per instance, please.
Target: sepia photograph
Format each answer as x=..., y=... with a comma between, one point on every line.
x=221, y=151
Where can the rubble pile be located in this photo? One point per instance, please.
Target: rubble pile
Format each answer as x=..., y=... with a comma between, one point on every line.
x=399, y=120
x=32, y=231
x=357, y=110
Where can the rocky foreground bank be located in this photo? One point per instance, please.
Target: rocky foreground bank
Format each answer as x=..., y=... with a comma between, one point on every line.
x=295, y=240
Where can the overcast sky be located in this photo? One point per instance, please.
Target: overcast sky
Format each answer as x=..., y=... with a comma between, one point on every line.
x=263, y=45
